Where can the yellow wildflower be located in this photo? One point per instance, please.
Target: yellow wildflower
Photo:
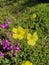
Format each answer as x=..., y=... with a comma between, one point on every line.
x=34, y=16
x=27, y=63
x=19, y=33
x=32, y=39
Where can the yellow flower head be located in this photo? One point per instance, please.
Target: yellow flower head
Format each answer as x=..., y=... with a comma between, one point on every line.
x=19, y=33
x=14, y=30
x=34, y=16
x=32, y=38
x=27, y=63
x=20, y=30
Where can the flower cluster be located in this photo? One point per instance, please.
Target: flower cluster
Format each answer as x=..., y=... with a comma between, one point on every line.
x=7, y=47
x=20, y=33
x=17, y=34
x=5, y=44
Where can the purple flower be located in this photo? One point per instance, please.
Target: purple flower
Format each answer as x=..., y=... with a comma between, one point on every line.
x=12, y=47
x=12, y=50
x=2, y=54
x=17, y=48
x=5, y=44
x=4, y=25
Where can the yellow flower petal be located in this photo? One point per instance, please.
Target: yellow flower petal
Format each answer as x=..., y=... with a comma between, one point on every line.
x=15, y=36
x=27, y=63
x=20, y=32
x=20, y=29
x=31, y=64
x=31, y=42
x=14, y=30
x=29, y=36
x=20, y=37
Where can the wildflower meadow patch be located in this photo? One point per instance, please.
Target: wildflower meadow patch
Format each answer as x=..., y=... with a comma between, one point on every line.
x=24, y=32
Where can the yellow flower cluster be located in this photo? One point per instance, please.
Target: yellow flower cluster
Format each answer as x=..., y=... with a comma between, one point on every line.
x=20, y=33
x=32, y=38
x=27, y=63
